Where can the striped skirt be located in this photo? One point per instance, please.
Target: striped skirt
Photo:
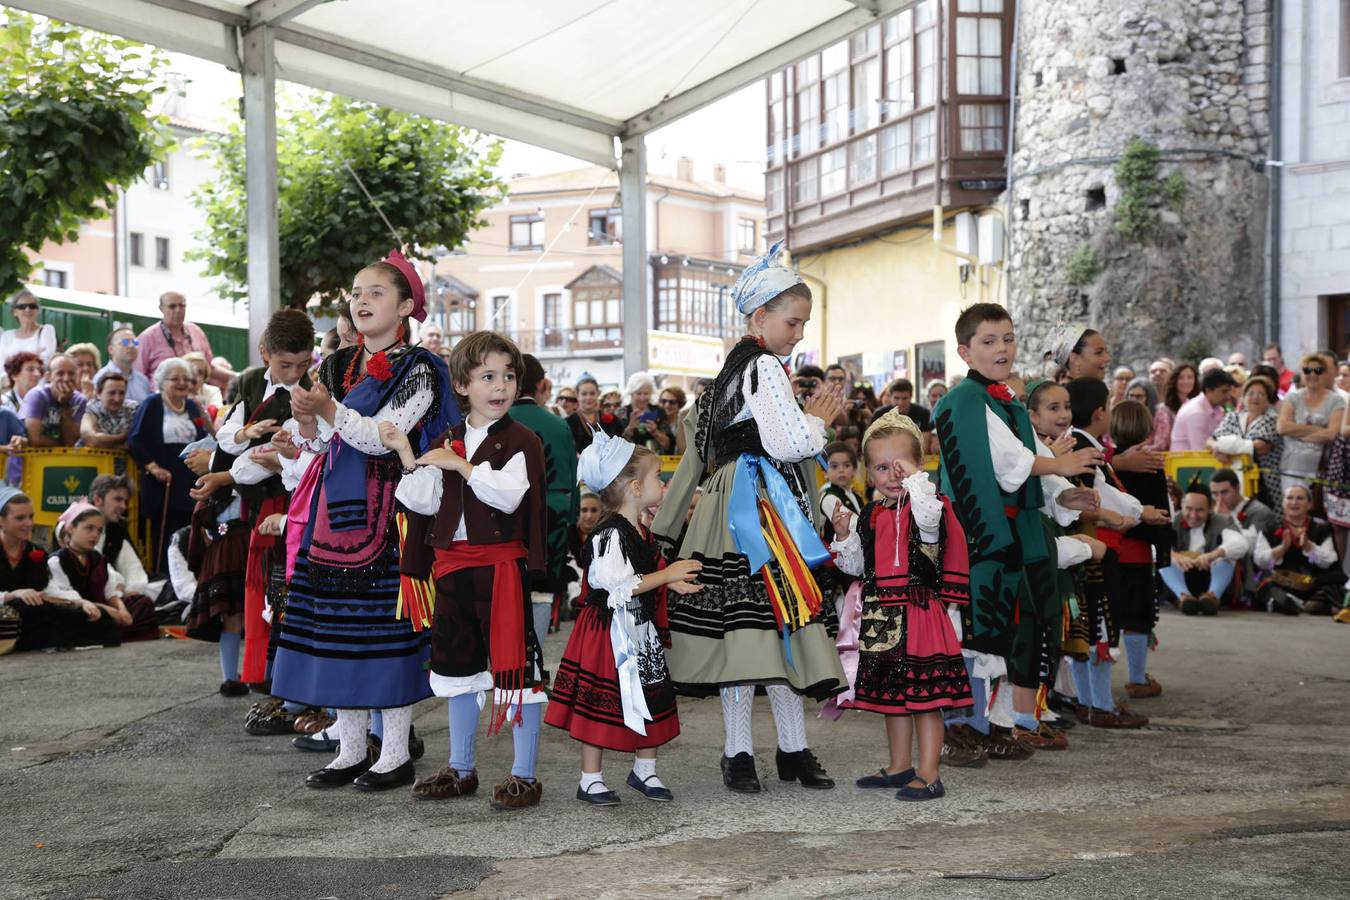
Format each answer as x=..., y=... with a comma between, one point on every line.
x=344, y=647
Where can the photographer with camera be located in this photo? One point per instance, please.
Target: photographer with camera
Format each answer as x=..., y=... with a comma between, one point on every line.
x=644, y=423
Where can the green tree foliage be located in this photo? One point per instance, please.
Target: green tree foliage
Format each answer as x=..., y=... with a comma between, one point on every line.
x=430, y=179
x=1083, y=267
x=75, y=125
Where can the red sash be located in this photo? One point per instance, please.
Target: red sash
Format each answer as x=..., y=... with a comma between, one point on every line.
x=256, y=630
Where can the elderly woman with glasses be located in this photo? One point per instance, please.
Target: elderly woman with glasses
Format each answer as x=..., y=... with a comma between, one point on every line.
x=164, y=425
x=1310, y=419
x=29, y=335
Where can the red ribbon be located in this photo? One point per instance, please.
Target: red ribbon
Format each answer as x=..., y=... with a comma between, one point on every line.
x=1000, y=391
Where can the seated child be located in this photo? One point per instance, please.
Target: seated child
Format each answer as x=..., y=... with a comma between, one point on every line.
x=910, y=551
x=79, y=572
x=613, y=691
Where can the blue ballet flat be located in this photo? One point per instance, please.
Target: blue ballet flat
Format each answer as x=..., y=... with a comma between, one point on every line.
x=931, y=790
x=883, y=780
x=598, y=798
x=660, y=794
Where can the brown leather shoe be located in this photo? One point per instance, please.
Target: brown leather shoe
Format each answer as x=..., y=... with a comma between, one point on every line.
x=516, y=793
x=1005, y=747
x=1209, y=603
x=961, y=755
x=1120, y=717
x=1043, y=738
x=312, y=721
x=1150, y=688
x=445, y=784
x=1081, y=712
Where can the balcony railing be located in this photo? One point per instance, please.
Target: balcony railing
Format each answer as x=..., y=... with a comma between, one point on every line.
x=606, y=341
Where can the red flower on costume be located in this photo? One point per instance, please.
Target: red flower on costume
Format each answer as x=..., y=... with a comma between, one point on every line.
x=1242, y=518
x=1108, y=454
x=1279, y=533
x=1000, y=391
x=378, y=367
x=36, y=555
x=199, y=422
x=607, y=418
x=458, y=448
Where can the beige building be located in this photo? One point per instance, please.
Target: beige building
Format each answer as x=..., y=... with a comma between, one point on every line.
x=547, y=267
x=86, y=264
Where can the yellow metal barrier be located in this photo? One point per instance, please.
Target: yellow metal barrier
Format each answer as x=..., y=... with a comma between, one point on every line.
x=55, y=477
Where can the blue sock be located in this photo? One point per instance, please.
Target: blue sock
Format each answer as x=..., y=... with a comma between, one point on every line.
x=463, y=732
x=525, y=736
x=1081, y=683
x=377, y=724
x=1136, y=656
x=979, y=712
x=229, y=655
x=1025, y=721
x=1099, y=673
x=293, y=707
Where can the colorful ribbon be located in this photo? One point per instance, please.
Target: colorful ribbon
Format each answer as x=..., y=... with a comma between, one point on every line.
x=744, y=521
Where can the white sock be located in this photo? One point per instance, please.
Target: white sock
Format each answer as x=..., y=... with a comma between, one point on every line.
x=394, y=745
x=351, y=728
x=593, y=783
x=788, y=717
x=737, y=707
x=645, y=770
x=327, y=734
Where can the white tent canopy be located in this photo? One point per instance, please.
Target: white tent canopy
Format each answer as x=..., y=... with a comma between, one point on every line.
x=568, y=75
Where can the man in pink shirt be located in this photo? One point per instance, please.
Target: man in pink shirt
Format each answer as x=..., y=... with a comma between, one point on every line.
x=173, y=336
x=1200, y=415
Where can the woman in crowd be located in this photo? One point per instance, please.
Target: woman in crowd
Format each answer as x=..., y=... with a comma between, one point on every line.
x=671, y=401
x=1253, y=430
x=165, y=424
x=1087, y=357
x=29, y=335
x=934, y=392
x=88, y=360
x=588, y=416
x=44, y=621
x=25, y=373
x=1300, y=556
x=1182, y=385
x=1141, y=390
x=1120, y=385
x=642, y=419
x=1310, y=419
x=1343, y=377
x=206, y=395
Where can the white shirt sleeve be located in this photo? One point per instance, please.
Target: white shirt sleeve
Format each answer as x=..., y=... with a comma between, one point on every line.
x=58, y=583
x=502, y=488
x=47, y=342
x=292, y=470
x=180, y=575
x=611, y=571
x=786, y=432
x=924, y=506
x=1323, y=555
x=117, y=585
x=1071, y=552
x=234, y=422
x=1261, y=552
x=128, y=565
x=317, y=444
x=363, y=432
x=1052, y=486
x=1234, y=544
x=420, y=492
x=848, y=554
x=245, y=471
x=1011, y=458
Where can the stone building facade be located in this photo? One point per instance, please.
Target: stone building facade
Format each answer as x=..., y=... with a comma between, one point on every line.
x=1188, y=79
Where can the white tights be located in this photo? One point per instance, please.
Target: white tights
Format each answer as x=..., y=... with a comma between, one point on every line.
x=737, y=714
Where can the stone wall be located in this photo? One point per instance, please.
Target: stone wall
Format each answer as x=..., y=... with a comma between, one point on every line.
x=1189, y=78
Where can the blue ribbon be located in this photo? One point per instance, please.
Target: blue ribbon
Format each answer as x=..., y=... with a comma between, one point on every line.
x=744, y=521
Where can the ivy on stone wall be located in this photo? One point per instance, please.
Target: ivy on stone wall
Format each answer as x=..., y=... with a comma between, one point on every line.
x=1083, y=267
x=1137, y=179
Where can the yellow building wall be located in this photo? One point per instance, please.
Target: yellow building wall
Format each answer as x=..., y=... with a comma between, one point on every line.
x=892, y=293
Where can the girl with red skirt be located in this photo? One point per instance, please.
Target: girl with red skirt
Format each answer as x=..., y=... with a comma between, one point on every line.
x=612, y=690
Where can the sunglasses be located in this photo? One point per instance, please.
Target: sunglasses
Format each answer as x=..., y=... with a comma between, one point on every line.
x=130, y=342
x=23, y=306
x=1313, y=370
x=567, y=399
x=668, y=402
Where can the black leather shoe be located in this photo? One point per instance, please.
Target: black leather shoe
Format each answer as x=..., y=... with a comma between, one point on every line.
x=651, y=792
x=233, y=688
x=804, y=767
x=884, y=779
x=598, y=798
x=383, y=781
x=331, y=778
x=416, y=746
x=738, y=774
x=312, y=743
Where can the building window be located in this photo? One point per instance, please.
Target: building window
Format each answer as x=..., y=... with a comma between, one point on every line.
x=866, y=93
x=804, y=176
x=596, y=316
x=54, y=278
x=773, y=191
x=895, y=147
x=778, y=125
x=926, y=64
x=460, y=319
x=900, y=65
x=695, y=298
x=834, y=72
x=527, y=232
x=745, y=235
x=808, y=105
x=923, y=139
x=862, y=160
x=606, y=226
x=159, y=175
x=667, y=300
x=553, y=335
x=162, y=253
x=832, y=166
x=979, y=55
x=136, y=250
x=501, y=315
x=981, y=127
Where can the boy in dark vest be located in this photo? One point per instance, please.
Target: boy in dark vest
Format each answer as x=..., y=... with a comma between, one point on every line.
x=476, y=524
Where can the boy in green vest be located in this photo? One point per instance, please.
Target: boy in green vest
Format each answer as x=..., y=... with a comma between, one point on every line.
x=991, y=472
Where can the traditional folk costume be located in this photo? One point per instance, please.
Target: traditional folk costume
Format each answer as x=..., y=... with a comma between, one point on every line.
x=756, y=621
x=97, y=580
x=481, y=539
x=342, y=641
x=138, y=596
x=1303, y=581
x=835, y=582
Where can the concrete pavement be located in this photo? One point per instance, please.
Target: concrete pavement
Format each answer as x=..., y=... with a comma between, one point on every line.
x=137, y=780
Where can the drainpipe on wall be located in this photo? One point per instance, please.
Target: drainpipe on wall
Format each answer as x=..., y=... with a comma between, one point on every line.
x=1276, y=173
x=656, y=220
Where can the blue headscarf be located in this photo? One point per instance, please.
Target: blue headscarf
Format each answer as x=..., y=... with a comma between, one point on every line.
x=602, y=461
x=763, y=280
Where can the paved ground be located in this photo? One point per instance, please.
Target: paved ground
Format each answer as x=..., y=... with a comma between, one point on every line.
x=124, y=774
